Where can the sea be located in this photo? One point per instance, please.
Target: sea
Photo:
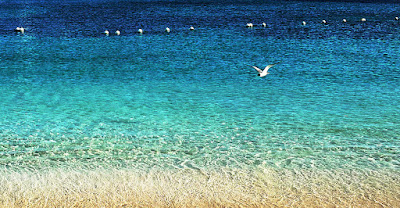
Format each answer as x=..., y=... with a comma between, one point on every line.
x=70, y=95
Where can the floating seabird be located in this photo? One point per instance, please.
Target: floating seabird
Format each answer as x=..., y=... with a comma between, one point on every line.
x=140, y=31
x=304, y=23
x=264, y=24
x=106, y=33
x=263, y=73
x=191, y=28
x=167, y=30
x=396, y=18
x=344, y=20
x=117, y=32
x=249, y=25
x=19, y=29
x=324, y=22
x=363, y=20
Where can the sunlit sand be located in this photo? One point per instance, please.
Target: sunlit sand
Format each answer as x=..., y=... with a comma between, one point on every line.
x=193, y=188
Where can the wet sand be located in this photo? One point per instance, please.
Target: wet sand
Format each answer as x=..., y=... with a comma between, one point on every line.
x=200, y=188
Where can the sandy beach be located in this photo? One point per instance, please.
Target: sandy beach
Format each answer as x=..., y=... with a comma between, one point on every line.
x=196, y=188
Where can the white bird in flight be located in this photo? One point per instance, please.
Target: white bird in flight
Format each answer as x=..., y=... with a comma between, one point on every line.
x=263, y=73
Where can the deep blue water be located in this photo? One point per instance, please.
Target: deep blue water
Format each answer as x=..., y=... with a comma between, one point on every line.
x=68, y=93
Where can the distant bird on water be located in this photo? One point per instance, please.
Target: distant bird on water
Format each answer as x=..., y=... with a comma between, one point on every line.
x=263, y=73
x=19, y=29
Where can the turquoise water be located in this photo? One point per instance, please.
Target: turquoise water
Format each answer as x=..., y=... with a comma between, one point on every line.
x=70, y=95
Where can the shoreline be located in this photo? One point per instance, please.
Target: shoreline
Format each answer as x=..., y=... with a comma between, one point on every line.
x=194, y=188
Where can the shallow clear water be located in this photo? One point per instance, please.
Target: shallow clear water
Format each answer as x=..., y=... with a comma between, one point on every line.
x=189, y=98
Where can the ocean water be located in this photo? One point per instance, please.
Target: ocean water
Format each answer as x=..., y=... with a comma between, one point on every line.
x=190, y=99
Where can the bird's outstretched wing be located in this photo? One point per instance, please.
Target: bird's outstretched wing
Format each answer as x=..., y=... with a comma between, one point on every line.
x=269, y=66
x=258, y=69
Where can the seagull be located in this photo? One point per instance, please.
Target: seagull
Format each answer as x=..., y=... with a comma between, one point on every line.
x=19, y=29
x=263, y=73
x=250, y=25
